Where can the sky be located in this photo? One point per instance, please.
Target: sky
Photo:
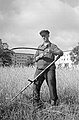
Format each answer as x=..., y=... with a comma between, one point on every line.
x=22, y=20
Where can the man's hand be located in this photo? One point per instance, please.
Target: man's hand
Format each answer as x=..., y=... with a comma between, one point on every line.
x=47, y=51
x=40, y=56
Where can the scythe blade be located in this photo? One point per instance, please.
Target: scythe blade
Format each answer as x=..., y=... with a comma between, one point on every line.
x=32, y=48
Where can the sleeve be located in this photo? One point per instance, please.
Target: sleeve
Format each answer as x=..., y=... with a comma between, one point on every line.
x=56, y=50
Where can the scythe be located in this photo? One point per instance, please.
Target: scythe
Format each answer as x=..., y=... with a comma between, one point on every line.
x=32, y=81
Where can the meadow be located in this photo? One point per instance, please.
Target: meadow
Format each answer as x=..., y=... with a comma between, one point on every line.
x=12, y=80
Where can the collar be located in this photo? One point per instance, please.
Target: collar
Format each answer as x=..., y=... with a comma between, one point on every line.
x=45, y=44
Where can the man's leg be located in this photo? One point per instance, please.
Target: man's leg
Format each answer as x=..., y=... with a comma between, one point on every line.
x=36, y=88
x=51, y=81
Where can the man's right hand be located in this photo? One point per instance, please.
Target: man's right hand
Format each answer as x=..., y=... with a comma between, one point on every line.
x=40, y=56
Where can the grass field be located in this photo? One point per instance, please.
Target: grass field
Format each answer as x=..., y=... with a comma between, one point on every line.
x=12, y=80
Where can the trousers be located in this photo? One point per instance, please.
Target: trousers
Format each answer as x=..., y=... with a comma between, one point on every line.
x=50, y=77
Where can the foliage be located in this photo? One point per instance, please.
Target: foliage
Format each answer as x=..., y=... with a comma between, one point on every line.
x=6, y=57
x=74, y=54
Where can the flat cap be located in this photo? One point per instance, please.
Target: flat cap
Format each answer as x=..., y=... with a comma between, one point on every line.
x=44, y=32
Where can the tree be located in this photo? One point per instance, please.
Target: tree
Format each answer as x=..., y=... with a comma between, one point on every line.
x=6, y=57
x=74, y=55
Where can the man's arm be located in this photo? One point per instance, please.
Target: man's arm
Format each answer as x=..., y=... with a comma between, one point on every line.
x=39, y=56
x=56, y=50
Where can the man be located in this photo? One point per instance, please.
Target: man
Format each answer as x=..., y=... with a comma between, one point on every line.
x=43, y=59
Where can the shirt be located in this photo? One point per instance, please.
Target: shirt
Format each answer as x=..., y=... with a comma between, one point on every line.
x=49, y=52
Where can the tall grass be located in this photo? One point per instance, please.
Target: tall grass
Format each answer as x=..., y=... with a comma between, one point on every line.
x=12, y=80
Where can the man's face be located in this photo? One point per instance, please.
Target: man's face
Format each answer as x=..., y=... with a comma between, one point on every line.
x=46, y=38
